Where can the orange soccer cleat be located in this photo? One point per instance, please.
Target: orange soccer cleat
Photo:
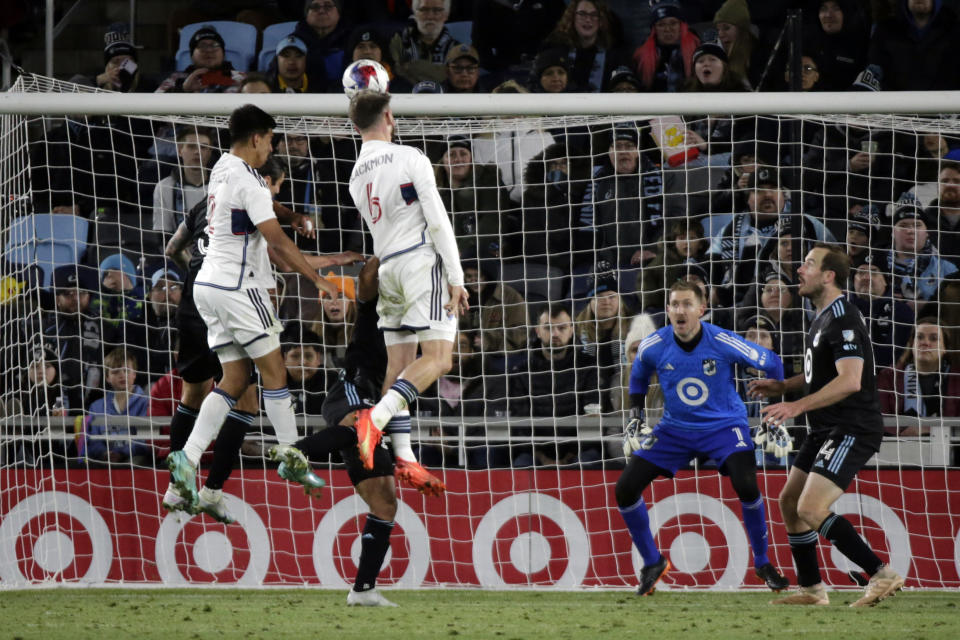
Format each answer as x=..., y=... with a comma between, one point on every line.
x=411, y=473
x=368, y=437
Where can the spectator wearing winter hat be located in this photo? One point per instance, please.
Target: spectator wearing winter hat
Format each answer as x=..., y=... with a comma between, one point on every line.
x=121, y=71
x=366, y=43
x=463, y=70
x=209, y=70
x=551, y=72
x=745, y=56
x=776, y=298
x=484, y=218
x=889, y=319
x=863, y=231
x=601, y=328
x=324, y=31
x=758, y=329
x=926, y=30
x=712, y=71
x=665, y=60
x=621, y=217
x=121, y=302
x=420, y=49
x=623, y=80
x=916, y=264
x=838, y=38
x=163, y=298
x=584, y=32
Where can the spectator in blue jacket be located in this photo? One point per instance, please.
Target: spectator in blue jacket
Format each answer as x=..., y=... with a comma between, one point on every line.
x=916, y=264
x=124, y=398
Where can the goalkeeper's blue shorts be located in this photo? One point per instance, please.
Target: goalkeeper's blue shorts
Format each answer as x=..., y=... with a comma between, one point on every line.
x=670, y=447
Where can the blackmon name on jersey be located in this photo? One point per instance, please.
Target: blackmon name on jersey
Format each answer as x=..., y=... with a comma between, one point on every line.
x=838, y=332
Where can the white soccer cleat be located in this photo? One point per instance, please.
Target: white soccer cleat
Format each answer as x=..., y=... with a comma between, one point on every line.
x=815, y=595
x=883, y=584
x=370, y=598
x=173, y=501
x=211, y=503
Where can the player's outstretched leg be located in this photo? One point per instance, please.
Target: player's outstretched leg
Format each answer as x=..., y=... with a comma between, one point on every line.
x=368, y=437
x=183, y=476
x=884, y=583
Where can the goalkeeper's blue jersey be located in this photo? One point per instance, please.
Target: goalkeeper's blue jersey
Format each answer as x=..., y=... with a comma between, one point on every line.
x=699, y=386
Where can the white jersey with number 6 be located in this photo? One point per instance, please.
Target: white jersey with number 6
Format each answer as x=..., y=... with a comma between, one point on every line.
x=237, y=201
x=395, y=191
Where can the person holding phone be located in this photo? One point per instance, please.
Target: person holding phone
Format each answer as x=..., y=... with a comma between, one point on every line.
x=121, y=71
x=209, y=70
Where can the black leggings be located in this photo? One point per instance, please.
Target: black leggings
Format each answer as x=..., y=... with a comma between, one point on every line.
x=741, y=467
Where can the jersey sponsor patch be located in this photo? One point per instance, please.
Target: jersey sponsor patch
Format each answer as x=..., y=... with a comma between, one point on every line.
x=847, y=335
x=240, y=222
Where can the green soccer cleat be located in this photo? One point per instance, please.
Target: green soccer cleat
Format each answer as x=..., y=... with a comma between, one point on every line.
x=312, y=484
x=291, y=456
x=211, y=503
x=184, y=479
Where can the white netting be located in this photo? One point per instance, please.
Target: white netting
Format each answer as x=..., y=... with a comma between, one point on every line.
x=547, y=211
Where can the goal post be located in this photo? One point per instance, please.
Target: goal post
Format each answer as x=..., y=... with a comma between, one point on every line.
x=560, y=205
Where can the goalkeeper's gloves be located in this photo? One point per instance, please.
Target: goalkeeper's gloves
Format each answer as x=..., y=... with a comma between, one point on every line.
x=633, y=434
x=774, y=439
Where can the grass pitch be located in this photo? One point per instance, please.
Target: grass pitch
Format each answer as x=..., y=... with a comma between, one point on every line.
x=312, y=613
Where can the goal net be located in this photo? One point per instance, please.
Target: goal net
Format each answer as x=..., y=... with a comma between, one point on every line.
x=571, y=230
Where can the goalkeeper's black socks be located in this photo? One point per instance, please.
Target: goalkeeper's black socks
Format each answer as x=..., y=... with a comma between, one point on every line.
x=373, y=548
x=226, y=449
x=803, y=546
x=844, y=537
x=318, y=446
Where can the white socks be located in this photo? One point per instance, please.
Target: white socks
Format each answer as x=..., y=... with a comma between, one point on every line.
x=279, y=408
x=212, y=413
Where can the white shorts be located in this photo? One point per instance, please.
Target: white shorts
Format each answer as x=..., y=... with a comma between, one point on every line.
x=240, y=324
x=413, y=292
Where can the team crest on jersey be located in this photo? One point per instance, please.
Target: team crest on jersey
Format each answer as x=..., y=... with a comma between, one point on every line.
x=709, y=366
x=816, y=339
x=847, y=335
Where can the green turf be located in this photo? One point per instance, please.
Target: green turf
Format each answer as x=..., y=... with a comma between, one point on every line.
x=436, y=613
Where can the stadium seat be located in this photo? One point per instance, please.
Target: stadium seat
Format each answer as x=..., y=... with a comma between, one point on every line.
x=271, y=36
x=460, y=31
x=111, y=234
x=535, y=282
x=47, y=240
x=240, y=40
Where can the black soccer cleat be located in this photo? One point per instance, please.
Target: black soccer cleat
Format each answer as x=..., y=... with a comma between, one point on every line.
x=769, y=574
x=650, y=576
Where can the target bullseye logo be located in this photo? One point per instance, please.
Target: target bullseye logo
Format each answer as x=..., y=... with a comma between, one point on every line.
x=331, y=565
x=690, y=552
x=54, y=535
x=198, y=549
x=887, y=521
x=531, y=553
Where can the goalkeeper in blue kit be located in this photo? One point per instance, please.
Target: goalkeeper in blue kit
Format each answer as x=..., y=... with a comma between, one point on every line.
x=704, y=417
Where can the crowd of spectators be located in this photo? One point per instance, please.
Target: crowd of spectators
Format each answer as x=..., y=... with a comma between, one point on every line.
x=569, y=237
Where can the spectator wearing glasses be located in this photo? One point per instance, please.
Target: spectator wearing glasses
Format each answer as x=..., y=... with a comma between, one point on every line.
x=463, y=71
x=809, y=74
x=325, y=33
x=209, y=70
x=584, y=33
x=421, y=48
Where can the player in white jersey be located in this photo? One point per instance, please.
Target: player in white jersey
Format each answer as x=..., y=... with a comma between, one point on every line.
x=230, y=292
x=421, y=281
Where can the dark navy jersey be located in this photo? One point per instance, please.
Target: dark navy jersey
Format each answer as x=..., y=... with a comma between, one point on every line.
x=196, y=223
x=366, y=355
x=840, y=332
x=699, y=386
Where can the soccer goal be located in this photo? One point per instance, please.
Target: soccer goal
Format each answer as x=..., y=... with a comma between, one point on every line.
x=574, y=215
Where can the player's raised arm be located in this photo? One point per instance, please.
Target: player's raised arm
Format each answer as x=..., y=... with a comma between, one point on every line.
x=287, y=252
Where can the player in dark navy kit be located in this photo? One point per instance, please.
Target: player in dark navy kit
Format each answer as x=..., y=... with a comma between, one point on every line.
x=704, y=417
x=199, y=366
x=358, y=388
x=846, y=428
